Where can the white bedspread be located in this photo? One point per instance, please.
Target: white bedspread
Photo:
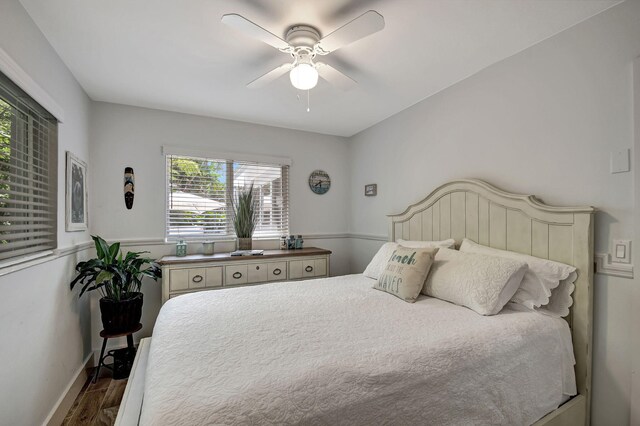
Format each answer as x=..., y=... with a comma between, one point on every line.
x=336, y=351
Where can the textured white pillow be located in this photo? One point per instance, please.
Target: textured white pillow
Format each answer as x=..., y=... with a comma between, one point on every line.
x=560, y=300
x=542, y=277
x=379, y=261
x=482, y=283
x=450, y=243
x=405, y=272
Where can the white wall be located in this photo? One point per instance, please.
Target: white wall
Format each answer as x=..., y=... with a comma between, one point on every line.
x=635, y=252
x=44, y=327
x=129, y=136
x=541, y=122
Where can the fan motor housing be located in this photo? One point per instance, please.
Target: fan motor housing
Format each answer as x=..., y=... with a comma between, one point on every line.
x=302, y=36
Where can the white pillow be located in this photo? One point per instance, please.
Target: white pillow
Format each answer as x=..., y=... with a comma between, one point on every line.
x=541, y=278
x=560, y=300
x=482, y=283
x=450, y=243
x=379, y=261
x=405, y=272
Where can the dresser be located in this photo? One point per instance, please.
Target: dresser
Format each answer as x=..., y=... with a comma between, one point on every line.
x=199, y=272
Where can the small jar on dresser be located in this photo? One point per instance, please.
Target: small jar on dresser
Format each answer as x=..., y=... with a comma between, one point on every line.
x=199, y=272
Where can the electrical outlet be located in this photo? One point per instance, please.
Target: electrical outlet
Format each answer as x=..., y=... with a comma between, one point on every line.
x=621, y=251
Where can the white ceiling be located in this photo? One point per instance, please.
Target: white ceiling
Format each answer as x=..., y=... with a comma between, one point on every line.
x=177, y=55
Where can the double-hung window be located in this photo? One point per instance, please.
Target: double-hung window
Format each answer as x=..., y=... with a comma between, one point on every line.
x=201, y=192
x=28, y=174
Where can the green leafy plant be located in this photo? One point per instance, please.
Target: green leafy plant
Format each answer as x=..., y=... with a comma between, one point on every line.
x=244, y=213
x=115, y=276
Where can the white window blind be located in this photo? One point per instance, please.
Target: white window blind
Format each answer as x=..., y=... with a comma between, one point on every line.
x=28, y=174
x=200, y=192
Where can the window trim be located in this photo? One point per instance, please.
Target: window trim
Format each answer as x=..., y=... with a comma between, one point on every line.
x=235, y=156
x=15, y=73
x=168, y=150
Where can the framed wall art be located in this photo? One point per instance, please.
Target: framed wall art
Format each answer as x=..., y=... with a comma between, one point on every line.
x=76, y=195
x=371, y=190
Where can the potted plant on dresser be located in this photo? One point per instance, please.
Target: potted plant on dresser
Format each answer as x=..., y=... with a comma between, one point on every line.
x=244, y=217
x=118, y=278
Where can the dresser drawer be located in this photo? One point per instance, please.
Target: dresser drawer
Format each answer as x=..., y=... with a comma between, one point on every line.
x=320, y=268
x=235, y=274
x=213, y=276
x=179, y=279
x=295, y=269
x=257, y=272
x=195, y=278
x=307, y=268
x=277, y=271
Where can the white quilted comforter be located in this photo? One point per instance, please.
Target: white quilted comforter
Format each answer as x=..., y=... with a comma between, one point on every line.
x=335, y=351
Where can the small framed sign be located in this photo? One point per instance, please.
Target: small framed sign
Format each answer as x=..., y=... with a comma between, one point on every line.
x=371, y=190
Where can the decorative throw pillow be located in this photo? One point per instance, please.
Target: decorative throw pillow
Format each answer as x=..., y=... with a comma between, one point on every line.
x=379, y=261
x=405, y=272
x=540, y=279
x=482, y=283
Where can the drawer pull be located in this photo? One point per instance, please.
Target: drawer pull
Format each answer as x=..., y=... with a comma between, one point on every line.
x=197, y=279
x=309, y=268
x=257, y=268
x=237, y=275
x=277, y=271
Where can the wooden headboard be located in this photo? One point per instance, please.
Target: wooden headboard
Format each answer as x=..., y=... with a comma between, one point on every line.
x=475, y=210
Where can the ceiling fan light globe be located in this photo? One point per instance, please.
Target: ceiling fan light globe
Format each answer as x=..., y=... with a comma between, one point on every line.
x=304, y=77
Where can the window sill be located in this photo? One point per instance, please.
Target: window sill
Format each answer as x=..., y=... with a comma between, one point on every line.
x=24, y=262
x=223, y=240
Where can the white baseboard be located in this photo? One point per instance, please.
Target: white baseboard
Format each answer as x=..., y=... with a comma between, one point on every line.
x=60, y=410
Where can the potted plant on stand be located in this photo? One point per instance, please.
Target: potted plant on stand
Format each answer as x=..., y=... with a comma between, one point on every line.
x=244, y=217
x=118, y=278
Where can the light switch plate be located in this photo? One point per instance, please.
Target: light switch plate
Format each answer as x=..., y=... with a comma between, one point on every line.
x=619, y=162
x=621, y=252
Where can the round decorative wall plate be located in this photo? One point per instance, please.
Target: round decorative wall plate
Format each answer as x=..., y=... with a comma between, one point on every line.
x=319, y=182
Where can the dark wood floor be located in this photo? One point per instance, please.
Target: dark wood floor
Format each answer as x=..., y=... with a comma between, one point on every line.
x=97, y=403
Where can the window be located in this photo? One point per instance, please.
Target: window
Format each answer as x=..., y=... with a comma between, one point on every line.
x=28, y=174
x=200, y=193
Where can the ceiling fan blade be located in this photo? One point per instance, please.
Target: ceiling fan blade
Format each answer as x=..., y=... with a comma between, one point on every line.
x=335, y=77
x=244, y=25
x=364, y=25
x=272, y=75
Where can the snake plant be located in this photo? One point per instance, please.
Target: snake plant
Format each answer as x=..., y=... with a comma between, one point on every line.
x=244, y=213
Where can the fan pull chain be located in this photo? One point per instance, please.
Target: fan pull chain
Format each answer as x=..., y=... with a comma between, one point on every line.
x=308, y=100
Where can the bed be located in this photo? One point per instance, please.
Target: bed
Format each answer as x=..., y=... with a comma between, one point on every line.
x=334, y=351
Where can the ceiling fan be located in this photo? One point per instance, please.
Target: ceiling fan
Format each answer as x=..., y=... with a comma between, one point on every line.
x=303, y=43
